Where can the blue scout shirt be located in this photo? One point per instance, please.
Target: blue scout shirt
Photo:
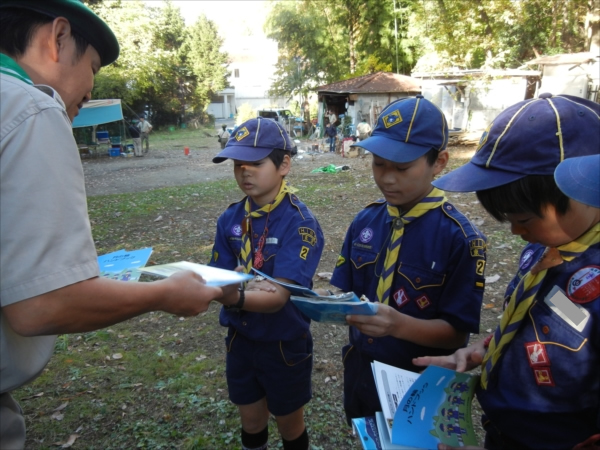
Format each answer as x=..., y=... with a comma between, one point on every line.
x=292, y=250
x=548, y=378
x=440, y=275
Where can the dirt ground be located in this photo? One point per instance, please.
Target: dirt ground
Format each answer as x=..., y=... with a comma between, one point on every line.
x=167, y=168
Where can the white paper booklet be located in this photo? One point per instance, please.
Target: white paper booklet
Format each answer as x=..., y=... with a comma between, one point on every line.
x=212, y=275
x=392, y=383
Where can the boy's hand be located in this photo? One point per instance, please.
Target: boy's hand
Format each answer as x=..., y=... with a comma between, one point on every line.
x=230, y=295
x=462, y=360
x=260, y=285
x=380, y=324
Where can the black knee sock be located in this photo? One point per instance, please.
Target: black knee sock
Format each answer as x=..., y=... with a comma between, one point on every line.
x=257, y=441
x=300, y=443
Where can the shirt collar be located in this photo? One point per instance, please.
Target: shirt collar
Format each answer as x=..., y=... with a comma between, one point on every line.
x=8, y=66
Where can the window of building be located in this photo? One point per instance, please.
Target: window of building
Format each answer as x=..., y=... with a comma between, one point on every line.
x=236, y=73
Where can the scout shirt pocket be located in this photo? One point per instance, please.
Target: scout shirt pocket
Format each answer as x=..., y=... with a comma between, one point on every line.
x=363, y=267
x=565, y=355
x=422, y=286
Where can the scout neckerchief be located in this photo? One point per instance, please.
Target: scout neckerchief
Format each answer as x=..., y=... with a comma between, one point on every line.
x=246, y=253
x=522, y=299
x=432, y=201
x=9, y=67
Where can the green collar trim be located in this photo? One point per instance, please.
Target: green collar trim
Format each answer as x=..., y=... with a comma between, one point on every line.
x=9, y=67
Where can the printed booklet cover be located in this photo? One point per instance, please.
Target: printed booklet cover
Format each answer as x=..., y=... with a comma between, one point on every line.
x=212, y=275
x=123, y=265
x=421, y=411
x=367, y=429
x=329, y=308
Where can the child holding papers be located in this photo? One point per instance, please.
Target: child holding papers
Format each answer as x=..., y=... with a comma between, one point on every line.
x=540, y=370
x=269, y=345
x=412, y=252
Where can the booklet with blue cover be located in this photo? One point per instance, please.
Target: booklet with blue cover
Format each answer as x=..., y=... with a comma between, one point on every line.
x=421, y=411
x=213, y=276
x=123, y=265
x=325, y=308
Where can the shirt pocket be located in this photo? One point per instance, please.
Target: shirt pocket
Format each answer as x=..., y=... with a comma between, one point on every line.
x=419, y=278
x=363, y=268
x=571, y=358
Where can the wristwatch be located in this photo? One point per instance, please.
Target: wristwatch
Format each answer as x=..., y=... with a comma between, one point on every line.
x=238, y=306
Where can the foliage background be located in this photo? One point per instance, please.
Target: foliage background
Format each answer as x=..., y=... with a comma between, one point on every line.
x=171, y=69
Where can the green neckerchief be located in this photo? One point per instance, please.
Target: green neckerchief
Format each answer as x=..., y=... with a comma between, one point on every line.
x=9, y=67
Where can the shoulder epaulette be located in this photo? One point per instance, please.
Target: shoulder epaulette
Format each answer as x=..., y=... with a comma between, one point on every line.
x=294, y=200
x=236, y=203
x=468, y=229
x=379, y=202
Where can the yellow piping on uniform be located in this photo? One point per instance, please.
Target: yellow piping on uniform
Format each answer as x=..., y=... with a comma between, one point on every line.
x=559, y=133
x=412, y=119
x=487, y=164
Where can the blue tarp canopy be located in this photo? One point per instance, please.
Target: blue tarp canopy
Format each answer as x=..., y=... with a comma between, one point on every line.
x=96, y=112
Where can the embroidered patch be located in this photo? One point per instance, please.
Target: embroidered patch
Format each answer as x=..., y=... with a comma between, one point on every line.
x=400, y=297
x=392, y=119
x=272, y=241
x=479, y=270
x=526, y=260
x=536, y=354
x=341, y=260
x=236, y=230
x=484, y=137
x=584, y=285
x=477, y=248
x=304, y=252
x=308, y=235
x=366, y=235
x=543, y=377
x=241, y=134
x=423, y=302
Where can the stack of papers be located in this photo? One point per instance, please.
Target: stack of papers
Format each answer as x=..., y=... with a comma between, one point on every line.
x=419, y=411
x=213, y=276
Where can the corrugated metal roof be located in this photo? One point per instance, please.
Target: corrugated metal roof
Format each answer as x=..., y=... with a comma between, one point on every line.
x=564, y=58
x=379, y=82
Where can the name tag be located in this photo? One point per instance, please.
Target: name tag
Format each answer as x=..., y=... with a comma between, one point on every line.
x=572, y=313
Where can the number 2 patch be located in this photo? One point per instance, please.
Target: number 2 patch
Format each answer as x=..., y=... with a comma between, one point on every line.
x=304, y=252
x=480, y=266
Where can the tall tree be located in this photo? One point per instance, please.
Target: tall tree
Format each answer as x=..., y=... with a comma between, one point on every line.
x=202, y=53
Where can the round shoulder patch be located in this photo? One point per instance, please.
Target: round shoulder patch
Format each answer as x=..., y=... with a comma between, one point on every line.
x=526, y=260
x=584, y=285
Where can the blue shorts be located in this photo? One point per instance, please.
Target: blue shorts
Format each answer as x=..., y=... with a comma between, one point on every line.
x=280, y=371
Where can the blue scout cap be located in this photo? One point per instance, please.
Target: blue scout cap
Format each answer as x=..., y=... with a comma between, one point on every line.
x=254, y=140
x=406, y=129
x=82, y=19
x=529, y=138
x=579, y=178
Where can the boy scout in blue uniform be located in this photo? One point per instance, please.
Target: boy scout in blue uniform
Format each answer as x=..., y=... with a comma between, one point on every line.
x=413, y=252
x=540, y=370
x=269, y=344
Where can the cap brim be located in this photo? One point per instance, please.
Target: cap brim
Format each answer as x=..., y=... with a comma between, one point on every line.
x=242, y=153
x=578, y=178
x=391, y=149
x=471, y=178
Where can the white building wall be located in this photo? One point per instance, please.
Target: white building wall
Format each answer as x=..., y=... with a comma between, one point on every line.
x=472, y=106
